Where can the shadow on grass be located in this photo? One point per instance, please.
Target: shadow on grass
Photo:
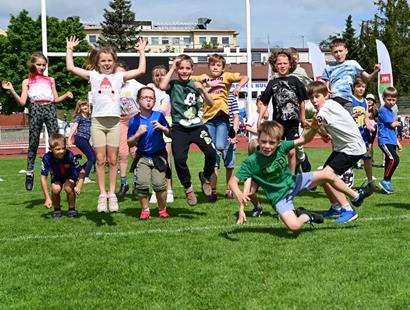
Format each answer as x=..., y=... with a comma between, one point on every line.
x=188, y=212
x=394, y=205
x=100, y=219
x=281, y=232
x=32, y=203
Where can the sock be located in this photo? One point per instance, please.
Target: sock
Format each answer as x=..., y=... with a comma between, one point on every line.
x=259, y=206
x=347, y=207
x=124, y=180
x=336, y=206
x=170, y=191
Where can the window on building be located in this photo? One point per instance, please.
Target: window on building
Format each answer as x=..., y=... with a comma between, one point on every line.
x=154, y=41
x=175, y=41
x=225, y=40
x=214, y=41
x=257, y=57
x=165, y=41
x=92, y=38
x=187, y=41
x=202, y=40
x=202, y=59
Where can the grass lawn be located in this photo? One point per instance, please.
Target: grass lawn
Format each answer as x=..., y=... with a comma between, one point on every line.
x=199, y=258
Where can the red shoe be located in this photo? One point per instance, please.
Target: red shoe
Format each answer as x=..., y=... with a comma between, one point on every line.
x=163, y=213
x=145, y=215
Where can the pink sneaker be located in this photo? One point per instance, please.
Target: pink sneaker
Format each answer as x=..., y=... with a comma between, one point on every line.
x=163, y=213
x=145, y=215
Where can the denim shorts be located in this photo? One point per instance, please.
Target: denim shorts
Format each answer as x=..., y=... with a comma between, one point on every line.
x=302, y=183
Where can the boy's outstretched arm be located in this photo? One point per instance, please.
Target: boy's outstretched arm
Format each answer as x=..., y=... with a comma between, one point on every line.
x=241, y=196
x=370, y=76
x=207, y=96
x=243, y=80
x=164, y=84
x=308, y=135
x=142, y=65
x=47, y=203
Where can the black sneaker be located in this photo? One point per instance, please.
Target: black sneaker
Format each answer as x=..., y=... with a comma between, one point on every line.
x=369, y=189
x=257, y=211
x=57, y=214
x=123, y=190
x=72, y=213
x=305, y=165
x=313, y=217
x=358, y=200
x=29, y=182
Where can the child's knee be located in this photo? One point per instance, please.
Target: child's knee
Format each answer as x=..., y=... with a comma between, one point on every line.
x=159, y=185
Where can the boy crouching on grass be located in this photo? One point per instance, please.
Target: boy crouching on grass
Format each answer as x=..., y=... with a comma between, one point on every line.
x=146, y=131
x=66, y=172
x=269, y=168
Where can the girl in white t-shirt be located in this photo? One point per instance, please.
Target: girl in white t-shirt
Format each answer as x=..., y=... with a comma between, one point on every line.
x=106, y=83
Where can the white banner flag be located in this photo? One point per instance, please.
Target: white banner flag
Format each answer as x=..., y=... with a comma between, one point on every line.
x=317, y=59
x=385, y=76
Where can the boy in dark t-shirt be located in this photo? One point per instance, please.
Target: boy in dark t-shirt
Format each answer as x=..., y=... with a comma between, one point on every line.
x=66, y=172
x=288, y=95
x=187, y=126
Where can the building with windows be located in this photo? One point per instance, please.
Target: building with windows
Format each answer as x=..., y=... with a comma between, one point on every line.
x=174, y=37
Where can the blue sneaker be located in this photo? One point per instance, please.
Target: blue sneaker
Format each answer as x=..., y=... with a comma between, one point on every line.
x=358, y=200
x=57, y=213
x=347, y=216
x=333, y=212
x=386, y=187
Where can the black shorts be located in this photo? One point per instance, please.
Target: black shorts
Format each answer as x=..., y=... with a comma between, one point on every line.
x=61, y=180
x=371, y=135
x=341, y=162
x=290, y=130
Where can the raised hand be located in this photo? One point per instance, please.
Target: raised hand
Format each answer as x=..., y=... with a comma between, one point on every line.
x=72, y=42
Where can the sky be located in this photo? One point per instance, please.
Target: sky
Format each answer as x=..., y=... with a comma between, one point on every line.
x=284, y=23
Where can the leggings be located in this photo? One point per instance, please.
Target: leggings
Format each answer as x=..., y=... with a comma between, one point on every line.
x=85, y=147
x=39, y=114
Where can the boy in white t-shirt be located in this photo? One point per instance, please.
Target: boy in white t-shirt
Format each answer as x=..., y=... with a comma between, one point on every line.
x=348, y=147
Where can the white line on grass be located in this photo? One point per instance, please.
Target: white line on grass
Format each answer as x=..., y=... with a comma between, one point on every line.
x=168, y=231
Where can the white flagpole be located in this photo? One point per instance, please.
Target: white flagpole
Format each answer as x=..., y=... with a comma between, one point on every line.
x=45, y=52
x=248, y=57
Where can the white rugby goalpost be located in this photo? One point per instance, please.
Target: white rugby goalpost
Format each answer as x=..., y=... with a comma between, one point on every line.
x=228, y=54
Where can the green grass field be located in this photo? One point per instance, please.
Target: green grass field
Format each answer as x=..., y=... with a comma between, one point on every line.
x=199, y=258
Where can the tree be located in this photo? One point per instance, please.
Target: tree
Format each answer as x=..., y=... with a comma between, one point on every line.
x=394, y=32
x=349, y=36
x=119, y=28
x=23, y=38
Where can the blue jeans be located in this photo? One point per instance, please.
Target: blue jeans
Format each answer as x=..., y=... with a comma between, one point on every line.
x=218, y=130
x=85, y=147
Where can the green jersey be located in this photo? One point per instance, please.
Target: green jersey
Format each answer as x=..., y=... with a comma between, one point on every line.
x=185, y=104
x=271, y=173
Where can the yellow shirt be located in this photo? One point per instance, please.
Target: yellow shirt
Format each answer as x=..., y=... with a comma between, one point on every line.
x=219, y=89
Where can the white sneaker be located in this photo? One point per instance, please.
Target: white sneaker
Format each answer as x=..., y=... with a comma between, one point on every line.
x=170, y=196
x=153, y=198
x=88, y=180
x=113, y=203
x=102, y=204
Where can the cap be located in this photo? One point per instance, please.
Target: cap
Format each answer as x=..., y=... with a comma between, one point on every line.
x=371, y=96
